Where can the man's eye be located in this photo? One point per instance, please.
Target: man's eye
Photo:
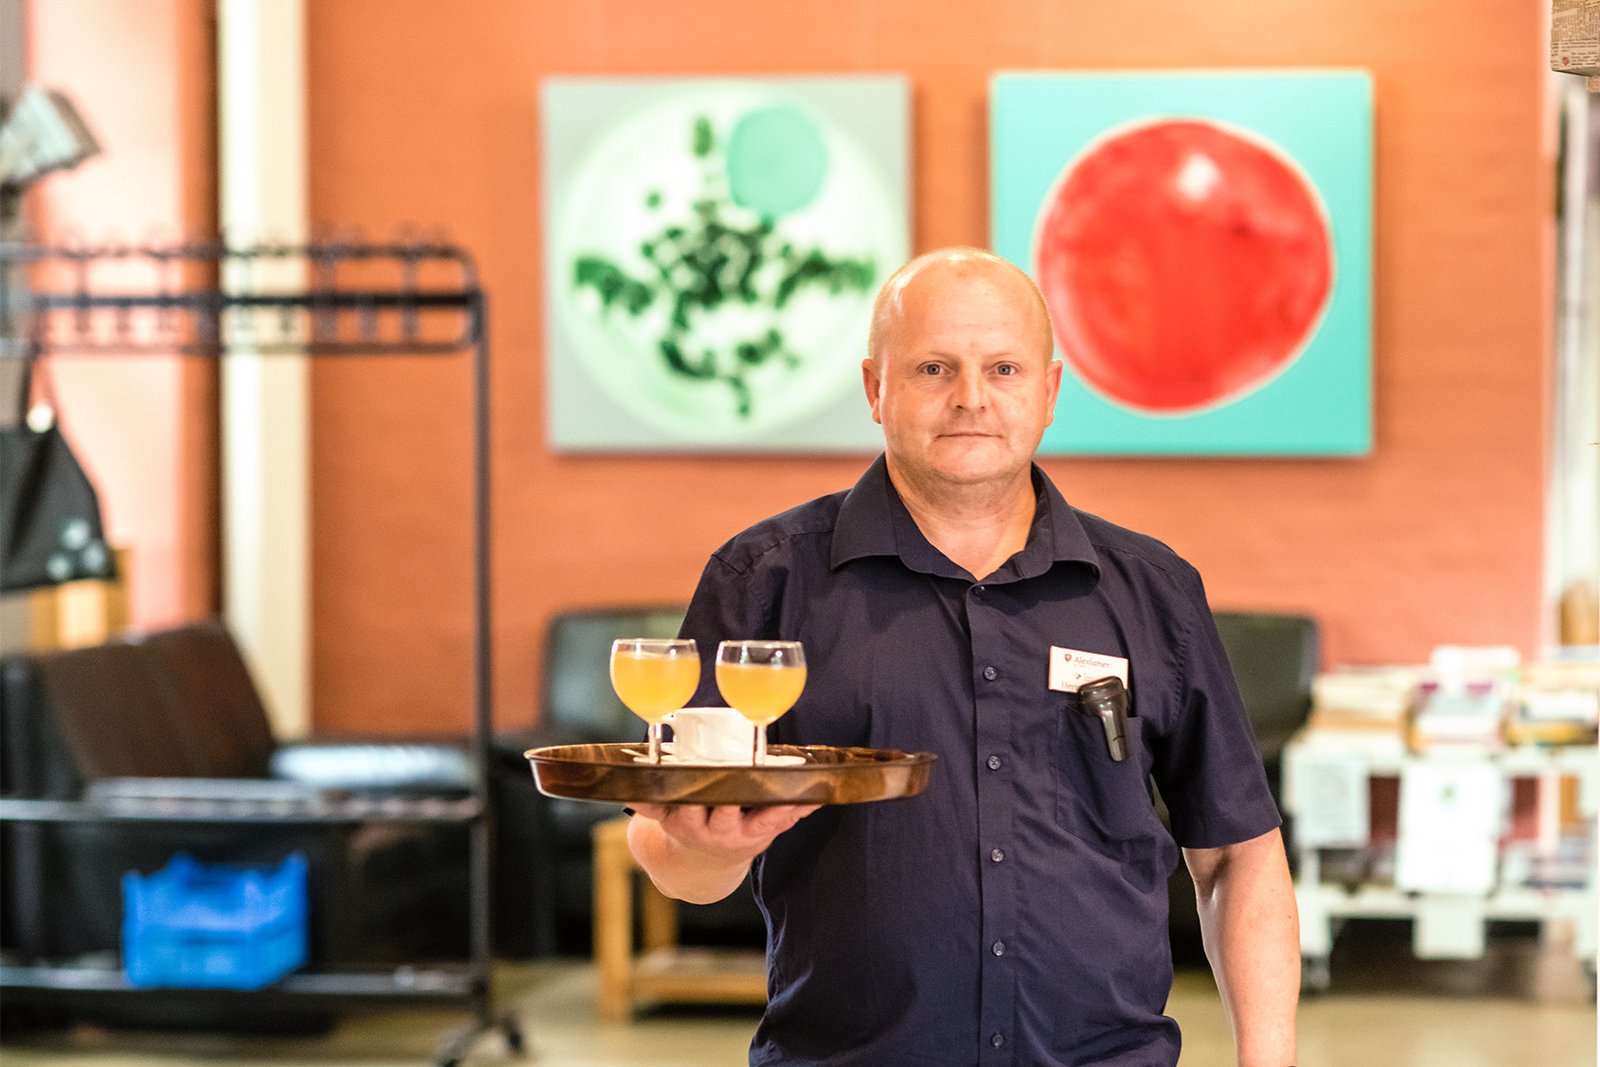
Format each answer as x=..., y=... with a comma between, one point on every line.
x=930, y=369
x=1006, y=369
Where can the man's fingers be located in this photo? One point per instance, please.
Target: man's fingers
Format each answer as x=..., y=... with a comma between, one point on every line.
x=775, y=820
x=725, y=829
x=723, y=820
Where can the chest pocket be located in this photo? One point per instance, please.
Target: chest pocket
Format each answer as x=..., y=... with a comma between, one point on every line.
x=1098, y=798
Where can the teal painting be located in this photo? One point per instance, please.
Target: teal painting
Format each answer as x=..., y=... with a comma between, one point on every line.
x=1203, y=241
x=712, y=250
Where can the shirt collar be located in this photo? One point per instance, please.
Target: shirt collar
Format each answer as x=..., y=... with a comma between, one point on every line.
x=873, y=521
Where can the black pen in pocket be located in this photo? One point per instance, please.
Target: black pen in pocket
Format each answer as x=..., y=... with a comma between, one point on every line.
x=1107, y=700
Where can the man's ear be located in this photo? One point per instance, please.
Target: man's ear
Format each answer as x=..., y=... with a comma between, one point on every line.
x=1053, y=386
x=873, y=383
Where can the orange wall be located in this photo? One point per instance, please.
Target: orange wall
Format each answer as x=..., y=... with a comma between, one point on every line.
x=427, y=112
x=145, y=428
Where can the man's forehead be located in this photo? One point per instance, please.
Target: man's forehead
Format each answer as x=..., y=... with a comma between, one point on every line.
x=959, y=266
x=966, y=296
x=937, y=281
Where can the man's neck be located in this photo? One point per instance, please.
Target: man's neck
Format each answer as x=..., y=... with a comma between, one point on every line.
x=977, y=527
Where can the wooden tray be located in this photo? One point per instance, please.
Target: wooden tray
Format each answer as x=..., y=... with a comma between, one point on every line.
x=829, y=776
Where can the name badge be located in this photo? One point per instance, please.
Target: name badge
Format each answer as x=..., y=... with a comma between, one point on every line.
x=1071, y=668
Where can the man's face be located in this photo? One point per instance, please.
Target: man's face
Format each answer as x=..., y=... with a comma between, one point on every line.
x=964, y=386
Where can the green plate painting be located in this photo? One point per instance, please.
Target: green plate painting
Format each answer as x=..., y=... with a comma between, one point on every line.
x=712, y=248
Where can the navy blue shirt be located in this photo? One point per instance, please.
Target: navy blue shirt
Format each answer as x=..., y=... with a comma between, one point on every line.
x=1016, y=911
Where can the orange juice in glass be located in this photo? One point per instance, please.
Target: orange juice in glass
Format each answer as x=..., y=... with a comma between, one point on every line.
x=761, y=680
x=654, y=677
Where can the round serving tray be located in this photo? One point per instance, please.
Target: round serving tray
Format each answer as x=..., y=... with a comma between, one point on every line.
x=829, y=775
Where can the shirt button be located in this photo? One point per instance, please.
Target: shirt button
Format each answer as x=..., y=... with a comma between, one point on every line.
x=990, y=674
x=997, y=1039
x=998, y=948
x=994, y=763
x=997, y=854
x=977, y=590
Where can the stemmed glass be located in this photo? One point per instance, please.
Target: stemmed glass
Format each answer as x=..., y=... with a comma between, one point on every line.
x=761, y=680
x=654, y=677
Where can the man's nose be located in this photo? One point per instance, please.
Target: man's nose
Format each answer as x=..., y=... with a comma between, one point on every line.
x=972, y=392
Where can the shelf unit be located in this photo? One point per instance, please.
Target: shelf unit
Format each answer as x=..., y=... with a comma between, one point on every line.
x=1446, y=925
x=327, y=298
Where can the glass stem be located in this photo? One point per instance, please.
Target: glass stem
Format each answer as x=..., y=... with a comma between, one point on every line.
x=655, y=742
x=761, y=746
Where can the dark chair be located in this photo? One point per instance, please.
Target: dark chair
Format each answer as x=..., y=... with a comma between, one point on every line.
x=1274, y=658
x=544, y=841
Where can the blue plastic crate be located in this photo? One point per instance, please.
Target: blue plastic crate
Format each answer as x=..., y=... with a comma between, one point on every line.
x=194, y=925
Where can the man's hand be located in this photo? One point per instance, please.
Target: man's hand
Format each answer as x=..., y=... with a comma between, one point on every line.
x=701, y=854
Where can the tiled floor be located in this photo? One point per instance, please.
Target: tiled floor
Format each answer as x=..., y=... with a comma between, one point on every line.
x=1520, y=1006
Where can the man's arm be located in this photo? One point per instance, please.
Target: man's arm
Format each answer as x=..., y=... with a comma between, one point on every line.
x=1251, y=930
x=701, y=854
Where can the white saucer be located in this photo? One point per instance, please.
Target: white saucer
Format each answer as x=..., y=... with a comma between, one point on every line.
x=773, y=759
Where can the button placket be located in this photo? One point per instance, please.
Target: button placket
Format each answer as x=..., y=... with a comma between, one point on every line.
x=994, y=675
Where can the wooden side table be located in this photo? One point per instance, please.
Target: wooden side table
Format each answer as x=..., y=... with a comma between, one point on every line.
x=659, y=970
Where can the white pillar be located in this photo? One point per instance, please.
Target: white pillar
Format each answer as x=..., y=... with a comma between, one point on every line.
x=265, y=460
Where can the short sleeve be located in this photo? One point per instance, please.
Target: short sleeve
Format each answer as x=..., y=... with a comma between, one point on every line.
x=1209, y=770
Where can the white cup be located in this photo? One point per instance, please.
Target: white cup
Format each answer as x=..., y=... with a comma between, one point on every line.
x=717, y=735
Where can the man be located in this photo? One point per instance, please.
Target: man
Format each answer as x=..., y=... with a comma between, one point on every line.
x=1015, y=912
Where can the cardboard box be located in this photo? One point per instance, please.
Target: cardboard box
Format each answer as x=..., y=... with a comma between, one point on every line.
x=1575, y=37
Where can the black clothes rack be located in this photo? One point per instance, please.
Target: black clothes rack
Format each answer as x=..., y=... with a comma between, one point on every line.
x=325, y=298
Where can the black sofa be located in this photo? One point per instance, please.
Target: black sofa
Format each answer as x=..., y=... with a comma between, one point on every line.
x=176, y=712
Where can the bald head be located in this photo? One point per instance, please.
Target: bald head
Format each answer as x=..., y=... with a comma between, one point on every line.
x=954, y=266
x=962, y=377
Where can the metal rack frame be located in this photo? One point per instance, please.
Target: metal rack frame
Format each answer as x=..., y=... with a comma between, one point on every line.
x=210, y=299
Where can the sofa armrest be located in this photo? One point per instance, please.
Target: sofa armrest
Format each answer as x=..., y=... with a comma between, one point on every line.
x=135, y=790
x=376, y=766
x=163, y=798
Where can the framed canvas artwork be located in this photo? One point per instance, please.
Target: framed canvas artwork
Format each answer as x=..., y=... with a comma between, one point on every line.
x=1203, y=243
x=712, y=248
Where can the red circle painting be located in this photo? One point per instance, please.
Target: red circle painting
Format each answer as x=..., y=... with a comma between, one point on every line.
x=1184, y=265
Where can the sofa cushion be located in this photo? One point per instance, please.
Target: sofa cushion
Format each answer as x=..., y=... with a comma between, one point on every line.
x=112, y=713
x=1274, y=657
x=578, y=700
x=208, y=688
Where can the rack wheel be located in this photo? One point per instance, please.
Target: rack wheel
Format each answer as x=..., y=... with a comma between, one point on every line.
x=452, y=1050
x=1315, y=975
x=516, y=1042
